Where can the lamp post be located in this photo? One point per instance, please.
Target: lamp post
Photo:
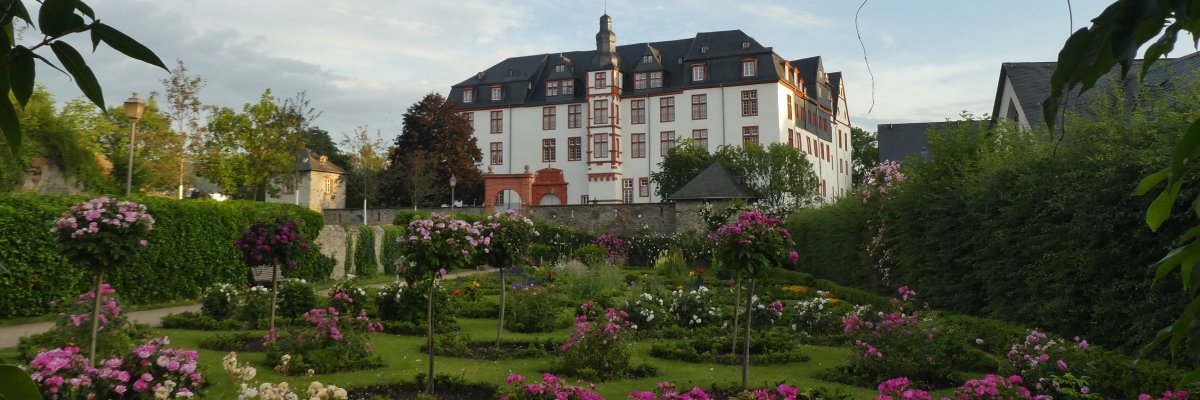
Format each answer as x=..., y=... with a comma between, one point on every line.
x=133, y=110
x=452, y=183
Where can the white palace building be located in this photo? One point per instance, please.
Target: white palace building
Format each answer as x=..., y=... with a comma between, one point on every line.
x=588, y=127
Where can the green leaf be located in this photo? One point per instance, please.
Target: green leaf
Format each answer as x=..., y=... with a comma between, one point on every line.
x=21, y=74
x=47, y=62
x=1168, y=263
x=1160, y=209
x=83, y=8
x=1179, y=328
x=10, y=124
x=16, y=384
x=1190, y=377
x=84, y=78
x=57, y=17
x=127, y=46
x=1186, y=149
x=1150, y=182
x=19, y=11
x=1159, y=339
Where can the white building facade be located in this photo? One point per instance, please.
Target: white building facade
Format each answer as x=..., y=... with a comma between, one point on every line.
x=606, y=118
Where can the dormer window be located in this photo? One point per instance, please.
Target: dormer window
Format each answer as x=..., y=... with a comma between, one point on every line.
x=497, y=93
x=560, y=68
x=647, y=59
x=749, y=68
x=698, y=72
x=639, y=80
x=568, y=87
x=746, y=44
x=656, y=79
x=601, y=80
x=468, y=95
x=552, y=88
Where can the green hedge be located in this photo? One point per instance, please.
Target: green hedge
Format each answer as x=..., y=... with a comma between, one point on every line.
x=191, y=248
x=1007, y=224
x=364, y=253
x=390, y=251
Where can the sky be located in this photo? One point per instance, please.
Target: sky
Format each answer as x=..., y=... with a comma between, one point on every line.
x=362, y=63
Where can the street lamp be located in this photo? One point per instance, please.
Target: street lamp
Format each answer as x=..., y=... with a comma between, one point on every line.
x=133, y=110
x=452, y=183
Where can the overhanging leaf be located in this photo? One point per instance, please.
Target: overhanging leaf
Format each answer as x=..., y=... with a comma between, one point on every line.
x=21, y=74
x=19, y=11
x=127, y=46
x=57, y=17
x=16, y=384
x=1150, y=182
x=1179, y=328
x=1160, y=209
x=84, y=78
x=10, y=124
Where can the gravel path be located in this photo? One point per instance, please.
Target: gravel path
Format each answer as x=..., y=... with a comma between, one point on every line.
x=10, y=334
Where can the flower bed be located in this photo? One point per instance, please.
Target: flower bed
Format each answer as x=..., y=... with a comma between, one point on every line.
x=149, y=371
x=234, y=341
x=448, y=388
x=766, y=348
x=333, y=342
x=460, y=345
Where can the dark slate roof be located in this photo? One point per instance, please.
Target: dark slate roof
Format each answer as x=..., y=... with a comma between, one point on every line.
x=812, y=72
x=714, y=183
x=835, y=87
x=308, y=160
x=1031, y=83
x=523, y=78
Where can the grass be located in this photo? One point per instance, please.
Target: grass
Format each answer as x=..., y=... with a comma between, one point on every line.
x=403, y=360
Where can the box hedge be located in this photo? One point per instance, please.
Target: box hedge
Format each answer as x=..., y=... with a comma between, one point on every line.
x=191, y=248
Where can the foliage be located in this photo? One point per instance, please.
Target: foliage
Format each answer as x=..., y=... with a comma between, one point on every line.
x=864, y=154
x=561, y=241
x=682, y=163
x=830, y=241
x=507, y=236
x=591, y=255
x=230, y=341
x=398, y=301
x=55, y=21
x=671, y=265
x=602, y=283
x=332, y=342
x=367, y=160
x=270, y=391
x=71, y=139
x=435, y=131
x=296, y=296
x=551, y=388
x=533, y=309
x=151, y=370
x=197, y=321
x=389, y=252
x=646, y=312
x=277, y=242
x=15, y=383
x=781, y=175
x=599, y=348
x=183, y=109
x=768, y=347
x=899, y=343
x=220, y=301
x=643, y=247
x=255, y=305
x=899, y=388
x=753, y=243
x=348, y=296
x=438, y=243
x=116, y=334
x=102, y=232
x=364, y=254
x=694, y=308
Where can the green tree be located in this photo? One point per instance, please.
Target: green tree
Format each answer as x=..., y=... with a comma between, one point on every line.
x=63, y=138
x=183, y=108
x=55, y=20
x=865, y=153
x=420, y=181
x=156, y=152
x=434, y=127
x=682, y=163
x=367, y=161
x=251, y=154
x=779, y=174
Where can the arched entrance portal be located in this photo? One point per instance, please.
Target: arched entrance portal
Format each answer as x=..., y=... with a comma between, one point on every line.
x=549, y=199
x=507, y=200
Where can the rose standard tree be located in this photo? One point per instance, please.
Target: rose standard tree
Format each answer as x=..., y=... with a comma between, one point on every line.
x=749, y=246
x=431, y=247
x=506, y=237
x=275, y=242
x=100, y=234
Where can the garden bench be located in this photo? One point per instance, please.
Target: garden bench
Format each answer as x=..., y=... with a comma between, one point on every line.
x=261, y=275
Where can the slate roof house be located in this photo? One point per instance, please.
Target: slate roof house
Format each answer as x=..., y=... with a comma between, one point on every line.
x=603, y=119
x=319, y=183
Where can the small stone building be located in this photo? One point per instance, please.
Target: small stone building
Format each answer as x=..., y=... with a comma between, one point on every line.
x=316, y=183
x=714, y=186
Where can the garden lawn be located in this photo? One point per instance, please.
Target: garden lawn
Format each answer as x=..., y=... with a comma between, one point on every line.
x=403, y=360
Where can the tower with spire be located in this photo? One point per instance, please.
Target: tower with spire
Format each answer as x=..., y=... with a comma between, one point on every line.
x=604, y=82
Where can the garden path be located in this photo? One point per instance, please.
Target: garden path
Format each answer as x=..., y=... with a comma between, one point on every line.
x=10, y=334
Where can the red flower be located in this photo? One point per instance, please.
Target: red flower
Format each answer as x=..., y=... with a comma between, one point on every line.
x=699, y=270
x=456, y=292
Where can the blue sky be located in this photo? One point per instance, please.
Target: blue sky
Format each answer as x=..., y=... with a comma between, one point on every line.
x=363, y=62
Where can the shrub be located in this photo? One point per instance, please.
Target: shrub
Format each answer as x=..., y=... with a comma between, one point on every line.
x=296, y=296
x=694, y=308
x=591, y=255
x=671, y=265
x=401, y=302
x=233, y=341
x=900, y=343
x=614, y=248
x=767, y=347
x=116, y=334
x=533, y=309
x=643, y=247
x=347, y=296
x=646, y=312
x=200, y=322
x=766, y=314
x=389, y=253
x=817, y=316
x=256, y=303
x=561, y=240
x=150, y=370
x=403, y=218
x=598, y=348
x=602, y=283
x=333, y=342
x=551, y=388
x=475, y=309
x=364, y=254
x=220, y=302
x=452, y=344
x=189, y=251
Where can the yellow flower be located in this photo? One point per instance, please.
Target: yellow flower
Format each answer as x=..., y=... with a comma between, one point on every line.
x=833, y=301
x=796, y=289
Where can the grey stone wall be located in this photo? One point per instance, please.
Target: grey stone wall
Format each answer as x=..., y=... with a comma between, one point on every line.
x=382, y=216
x=603, y=218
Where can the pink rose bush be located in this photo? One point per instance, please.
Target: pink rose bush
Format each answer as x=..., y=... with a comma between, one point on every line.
x=150, y=371
x=615, y=247
x=438, y=243
x=900, y=389
x=667, y=390
x=332, y=342
x=898, y=343
x=103, y=232
x=277, y=242
x=505, y=237
x=598, y=349
x=994, y=387
x=1049, y=365
x=551, y=388
x=752, y=243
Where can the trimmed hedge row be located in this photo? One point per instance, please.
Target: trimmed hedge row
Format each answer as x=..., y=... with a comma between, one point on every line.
x=191, y=249
x=364, y=253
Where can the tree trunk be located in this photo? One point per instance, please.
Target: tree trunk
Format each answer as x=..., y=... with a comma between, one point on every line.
x=429, y=387
x=274, y=290
x=746, y=349
x=500, y=324
x=737, y=295
x=95, y=318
